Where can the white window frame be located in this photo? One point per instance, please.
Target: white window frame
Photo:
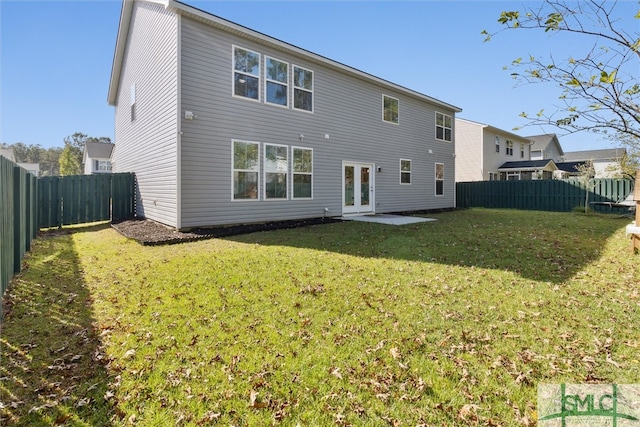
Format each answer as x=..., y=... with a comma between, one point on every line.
x=522, y=149
x=510, y=174
x=494, y=176
x=444, y=127
x=265, y=172
x=234, y=71
x=104, y=165
x=294, y=173
x=295, y=88
x=436, y=179
x=233, y=171
x=409, y=172
x=497, y=144
x=509, y=147
x=384, y=118
x=267, y=80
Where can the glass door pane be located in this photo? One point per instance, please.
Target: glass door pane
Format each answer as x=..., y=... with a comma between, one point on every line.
x=364, y=186
x=349, y=185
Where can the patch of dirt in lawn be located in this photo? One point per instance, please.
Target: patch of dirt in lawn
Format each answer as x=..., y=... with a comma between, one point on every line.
x=149, y=232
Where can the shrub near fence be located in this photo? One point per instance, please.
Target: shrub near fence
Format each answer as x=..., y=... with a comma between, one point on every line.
x=18, y=218
x=545, y=195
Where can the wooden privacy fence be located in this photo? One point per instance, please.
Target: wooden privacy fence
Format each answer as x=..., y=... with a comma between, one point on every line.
x=18, y=218
x=28, y=204
x=78, y=199
x=545, y=195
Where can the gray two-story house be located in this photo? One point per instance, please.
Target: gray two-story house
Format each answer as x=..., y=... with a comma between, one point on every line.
x=224, y=125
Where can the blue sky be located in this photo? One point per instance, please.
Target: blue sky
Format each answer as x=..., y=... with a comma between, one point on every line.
x=56, y=57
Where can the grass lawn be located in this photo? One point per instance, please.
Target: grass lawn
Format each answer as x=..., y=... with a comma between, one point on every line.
x=453, y=322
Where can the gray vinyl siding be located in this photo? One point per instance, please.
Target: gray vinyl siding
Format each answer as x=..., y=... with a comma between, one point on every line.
x=346, y=107
x=148, y=146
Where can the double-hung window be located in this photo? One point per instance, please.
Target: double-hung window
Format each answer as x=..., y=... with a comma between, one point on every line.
x=276, y=82
x=522, y=150
x=390, y=108
x=302, y=89
x=439, y=179
x=246, y=168
x=509, y=145
x=443, y=127
x=497, y=144
x=246, y=73
x=405, y=171
x=276, y=168
x=302, y=173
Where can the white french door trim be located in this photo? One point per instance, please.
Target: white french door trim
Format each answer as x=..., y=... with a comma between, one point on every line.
x=357, y=208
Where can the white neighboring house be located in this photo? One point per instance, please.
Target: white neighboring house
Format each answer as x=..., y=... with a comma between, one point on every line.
x=97, y=157
x=483, y=150
x=33, y=168
x=546, y=147
x=606, y=162
x=8, y=154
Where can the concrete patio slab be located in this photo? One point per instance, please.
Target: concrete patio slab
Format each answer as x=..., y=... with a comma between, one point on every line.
x=388, y=219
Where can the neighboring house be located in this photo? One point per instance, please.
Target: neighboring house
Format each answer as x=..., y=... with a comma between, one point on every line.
x=527, y=170
x=606, y=163
x=569, y=169
x=8, y=154
x=481, y=150
x=546, y=147
x=97, y=157
x=33, y=168
x=222, y=124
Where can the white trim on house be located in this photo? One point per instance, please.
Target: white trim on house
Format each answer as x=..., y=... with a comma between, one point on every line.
x=303, y=89
x=293, y=172
x=277, y=171
x=234, y=71
x=267, y=80
x=397, y=121
x=436, y=180
x=233, y=170
x=410, y=172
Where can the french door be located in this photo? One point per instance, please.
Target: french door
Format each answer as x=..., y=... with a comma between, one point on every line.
x=357, y=188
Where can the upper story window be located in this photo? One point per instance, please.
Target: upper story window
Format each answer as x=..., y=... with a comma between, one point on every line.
x=302, y=89
x=390, y=109
x=522, y=150
x=443, y=127
x=246, y=73
x=509, y=148
x=497, y=144
x=276, y=74
x=405, y=171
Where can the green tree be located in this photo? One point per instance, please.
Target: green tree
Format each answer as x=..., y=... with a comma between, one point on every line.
x=599, y=88
x=35, y=153
x=71, y=156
